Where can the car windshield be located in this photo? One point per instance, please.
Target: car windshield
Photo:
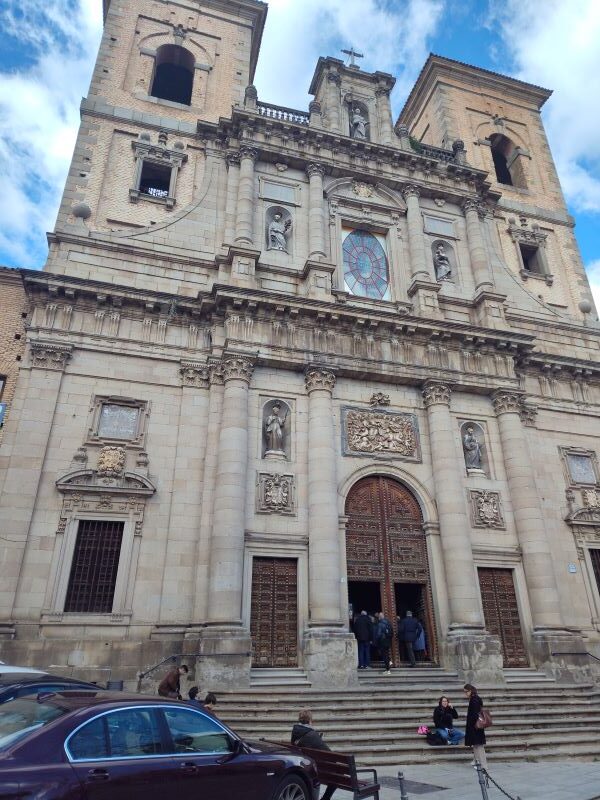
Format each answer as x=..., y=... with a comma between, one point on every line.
x=24, y=715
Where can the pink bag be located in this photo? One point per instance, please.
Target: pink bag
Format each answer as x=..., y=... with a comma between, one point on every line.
x=422, y=730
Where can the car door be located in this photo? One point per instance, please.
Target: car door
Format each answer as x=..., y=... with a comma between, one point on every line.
x=211, y=763
x=120, y=755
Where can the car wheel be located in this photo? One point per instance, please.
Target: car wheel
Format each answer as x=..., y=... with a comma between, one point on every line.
x=291, y=788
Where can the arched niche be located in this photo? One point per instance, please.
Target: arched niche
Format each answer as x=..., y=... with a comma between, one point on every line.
x=278, y=229
x=358, y=120
x=173, y=77
x=276, y=435
x=472, y=437
x=444, y=260
x=507, y=161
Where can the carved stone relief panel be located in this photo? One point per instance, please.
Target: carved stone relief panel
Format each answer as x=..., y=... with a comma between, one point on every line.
x=486, y=509
x=111, y=462
x=276, y=494
x=380, y=433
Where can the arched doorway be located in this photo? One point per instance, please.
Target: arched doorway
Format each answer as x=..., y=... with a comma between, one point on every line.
x=386, y=556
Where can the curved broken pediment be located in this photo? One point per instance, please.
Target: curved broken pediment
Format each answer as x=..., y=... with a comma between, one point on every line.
x=90, y=481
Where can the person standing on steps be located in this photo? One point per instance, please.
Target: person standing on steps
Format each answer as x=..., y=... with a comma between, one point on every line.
x=409, y=630
x=444, y=715
x=304, y=735
x=363, y=630
x=382, y=636
x=474, y=736
x=170, y=686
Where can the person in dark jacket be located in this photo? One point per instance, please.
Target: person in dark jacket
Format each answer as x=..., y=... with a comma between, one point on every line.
x=474, y=737
x=193, y=697
x=382, y=639
x=444, y=715
x=409, y=630
x=304, y=735
x=210, y=701
x=363, y=630
x=169, y=686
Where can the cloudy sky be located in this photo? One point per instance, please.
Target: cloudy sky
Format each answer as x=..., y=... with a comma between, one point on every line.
x=47, y=50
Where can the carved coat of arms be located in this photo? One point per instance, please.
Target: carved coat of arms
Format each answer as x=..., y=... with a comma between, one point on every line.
x=111, y=462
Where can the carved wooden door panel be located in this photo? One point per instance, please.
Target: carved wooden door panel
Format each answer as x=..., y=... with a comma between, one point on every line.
x=274, y=612
x=501, y=613
x=385, y=543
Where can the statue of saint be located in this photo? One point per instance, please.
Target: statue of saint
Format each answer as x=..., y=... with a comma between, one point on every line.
x=443, y=268
x=278, y=232
x=274, y=428
x=358, y=124
x=472, y=448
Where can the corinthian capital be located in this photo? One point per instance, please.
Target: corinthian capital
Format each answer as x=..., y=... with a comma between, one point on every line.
x=410, y=190
x=315, y=169
x=246, y=151
x=319, y=378
x=48, y=355
x=194, y=373
x=436, y=392
x=233, y=158
x=507, y=402
x=237, y=367
x=470, y=204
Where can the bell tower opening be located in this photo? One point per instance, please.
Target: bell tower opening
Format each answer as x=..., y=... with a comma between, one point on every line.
x=173, y=74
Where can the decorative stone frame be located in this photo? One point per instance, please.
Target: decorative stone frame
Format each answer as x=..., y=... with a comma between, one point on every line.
x=532, y=238
x=486, y=469
x=156, y=154
x=137, y=441
x=585, y=524
x=348, y=450
x=264, y=181
x=350, y=223
x=87, y=496
x=266, y=505
x=481, y=500
x=565, y=452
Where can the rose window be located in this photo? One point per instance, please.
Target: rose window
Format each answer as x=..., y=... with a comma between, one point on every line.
x=365, y=265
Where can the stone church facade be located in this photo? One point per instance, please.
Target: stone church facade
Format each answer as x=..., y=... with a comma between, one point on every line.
x=284, y=365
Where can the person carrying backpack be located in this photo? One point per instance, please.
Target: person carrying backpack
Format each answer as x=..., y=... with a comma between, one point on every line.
x=409, y=630
x=383, y=635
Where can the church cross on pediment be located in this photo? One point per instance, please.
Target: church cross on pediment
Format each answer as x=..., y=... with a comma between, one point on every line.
x=353, y=54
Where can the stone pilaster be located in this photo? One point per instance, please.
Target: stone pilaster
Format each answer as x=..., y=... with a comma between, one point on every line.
x=244, y=228
x=316, y=212
x=233, y=180
x=384, y=113
x=477, y=250
x=27, y=442
x=328, y=648
x=473, y=650
x=225, y=644
x=423, y=288
x=334, y=102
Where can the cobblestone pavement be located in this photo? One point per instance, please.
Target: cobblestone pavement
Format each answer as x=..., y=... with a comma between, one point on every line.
x=550, y=780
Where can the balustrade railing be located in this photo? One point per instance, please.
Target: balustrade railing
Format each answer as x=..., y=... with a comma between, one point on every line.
x=282, y=113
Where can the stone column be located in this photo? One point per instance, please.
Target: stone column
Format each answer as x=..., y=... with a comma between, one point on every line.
x=316, y=212
x=233, y=179
x=245, y=202
x=225, y=644
x=454, y=523
x=25, y=441
x=334, y=102
x=419, y=268
x=329, y=650
x=384, y=112
x=477, y=249
x=528, y=515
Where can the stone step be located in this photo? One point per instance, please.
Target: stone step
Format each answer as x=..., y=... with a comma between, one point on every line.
x=278, y=677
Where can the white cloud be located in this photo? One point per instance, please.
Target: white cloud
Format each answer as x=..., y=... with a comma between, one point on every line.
x=39, y=115
x=555, y=44
x=393, y=37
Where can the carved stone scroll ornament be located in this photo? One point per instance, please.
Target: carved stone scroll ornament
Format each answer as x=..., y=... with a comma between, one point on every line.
x=317, y=378
x=486, y=509
x=436, y=392
x=372, y=432
x=47, y=355
x=379, y=399
x=111, y=462
x=237, y=367
x=276, y=493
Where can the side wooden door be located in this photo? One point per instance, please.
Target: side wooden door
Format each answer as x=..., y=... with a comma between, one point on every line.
x=274, y=612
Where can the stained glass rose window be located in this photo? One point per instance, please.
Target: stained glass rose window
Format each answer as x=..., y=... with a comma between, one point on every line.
x=365, y=265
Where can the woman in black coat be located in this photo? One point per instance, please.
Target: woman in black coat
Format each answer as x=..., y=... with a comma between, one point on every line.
x=474, y=737
x=444, y=715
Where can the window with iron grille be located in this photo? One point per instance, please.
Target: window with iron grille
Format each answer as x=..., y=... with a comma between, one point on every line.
x=595, y=556
x=94, y=569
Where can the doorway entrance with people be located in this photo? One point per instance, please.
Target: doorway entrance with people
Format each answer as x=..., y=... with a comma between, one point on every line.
x=387, y=559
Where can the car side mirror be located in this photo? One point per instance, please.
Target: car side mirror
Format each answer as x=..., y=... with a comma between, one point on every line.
x=237, y=747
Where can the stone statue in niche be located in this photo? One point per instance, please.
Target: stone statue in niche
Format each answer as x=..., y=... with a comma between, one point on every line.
x=441, y=262
x=275, y=430
x=358, y=124
x=278, y=231
x=472, y=449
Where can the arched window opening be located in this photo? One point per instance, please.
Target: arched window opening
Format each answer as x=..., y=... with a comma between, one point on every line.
x=173, y=74
x=505, y=155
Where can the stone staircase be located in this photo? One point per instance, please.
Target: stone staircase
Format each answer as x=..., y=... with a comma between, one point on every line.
x=535, y=718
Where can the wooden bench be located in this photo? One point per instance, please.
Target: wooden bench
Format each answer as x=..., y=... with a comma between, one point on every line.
x=340, y=770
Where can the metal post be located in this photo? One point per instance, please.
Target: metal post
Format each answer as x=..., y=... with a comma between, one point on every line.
x=482, y=783
x=403, y=795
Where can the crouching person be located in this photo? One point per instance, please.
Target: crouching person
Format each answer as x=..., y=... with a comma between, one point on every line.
x=444, y=715
x=304, y=735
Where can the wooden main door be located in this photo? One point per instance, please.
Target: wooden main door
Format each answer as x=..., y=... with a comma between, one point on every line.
x=386, y=549
x=501, y=613
x=274, y=612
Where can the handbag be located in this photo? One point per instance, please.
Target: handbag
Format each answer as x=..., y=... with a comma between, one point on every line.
x=484, y=720
x=422, y=730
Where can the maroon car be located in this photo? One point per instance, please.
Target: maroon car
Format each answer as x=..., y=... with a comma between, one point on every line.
x=112, y=746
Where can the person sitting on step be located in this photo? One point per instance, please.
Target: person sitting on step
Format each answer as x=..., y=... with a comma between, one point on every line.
x=444, y=715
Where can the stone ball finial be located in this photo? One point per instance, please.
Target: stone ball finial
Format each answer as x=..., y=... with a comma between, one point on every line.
x=585, y=306
x=81, y=211
x=179, y=145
